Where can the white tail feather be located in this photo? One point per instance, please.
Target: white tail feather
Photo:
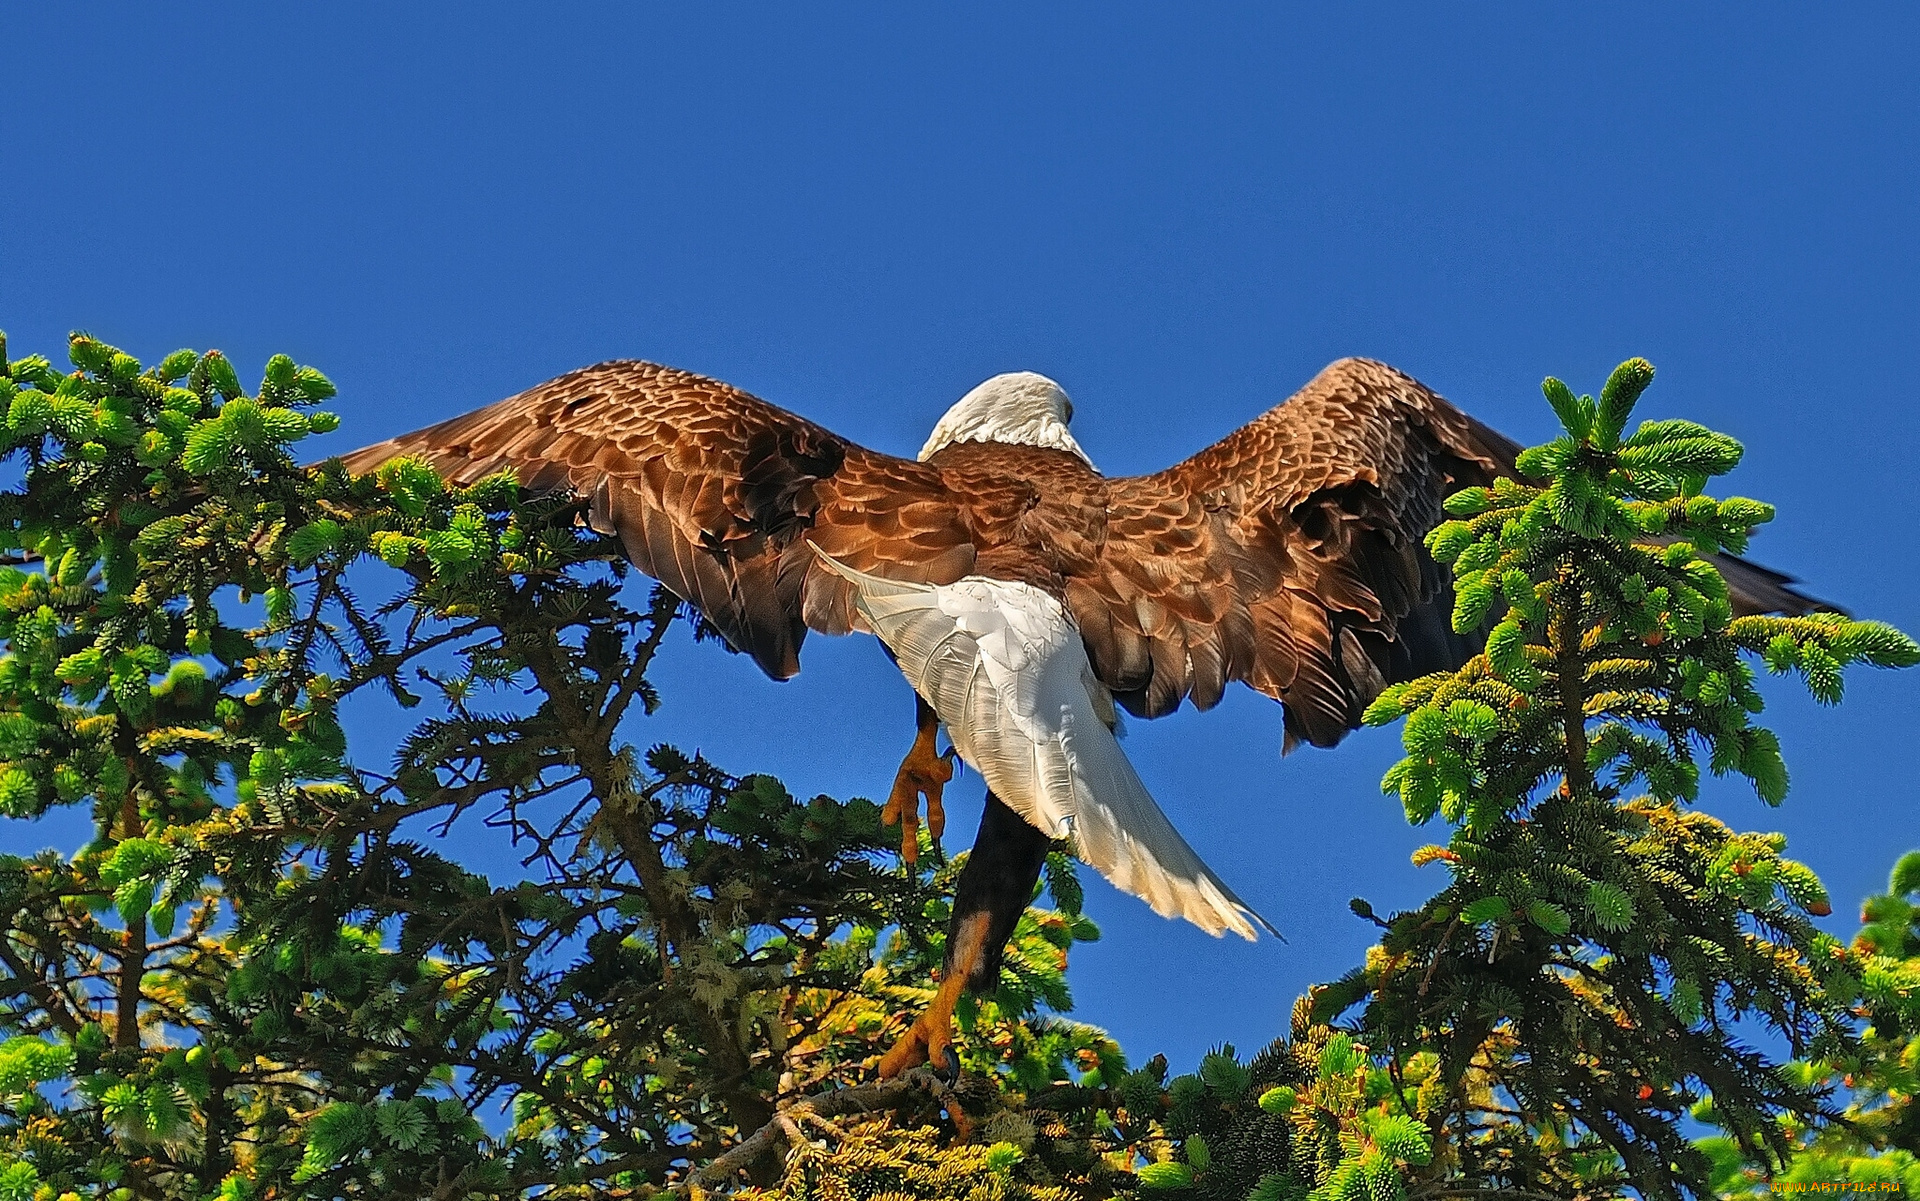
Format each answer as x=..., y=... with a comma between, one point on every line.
x=1004, y=667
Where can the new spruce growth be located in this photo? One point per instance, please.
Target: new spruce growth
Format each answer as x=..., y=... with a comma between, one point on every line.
x=265, y=976
x=1600, y=940
x=1877, y=1142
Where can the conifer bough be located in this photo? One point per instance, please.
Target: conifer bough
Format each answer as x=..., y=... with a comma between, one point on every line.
x=1600, y=939
x=262, y=976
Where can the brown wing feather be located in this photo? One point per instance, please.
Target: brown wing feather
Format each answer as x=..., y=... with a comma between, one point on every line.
x=1289, y=555
x=709, y=490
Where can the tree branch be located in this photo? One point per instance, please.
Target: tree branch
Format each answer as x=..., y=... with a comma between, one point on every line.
x=862, y=1098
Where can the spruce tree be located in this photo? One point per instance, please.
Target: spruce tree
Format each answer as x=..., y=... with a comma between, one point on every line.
x=265, y=976
x=1877, y=1139
x=1603, y=950
x=1584, y=977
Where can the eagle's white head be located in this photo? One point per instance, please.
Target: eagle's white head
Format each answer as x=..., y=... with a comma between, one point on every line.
x=1020, y=407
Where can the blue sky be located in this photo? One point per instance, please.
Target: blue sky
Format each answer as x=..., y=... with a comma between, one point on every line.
x=1180, y=212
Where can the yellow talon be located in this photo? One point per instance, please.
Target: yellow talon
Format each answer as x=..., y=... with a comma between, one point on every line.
x=930, y=1038
x=923, y=773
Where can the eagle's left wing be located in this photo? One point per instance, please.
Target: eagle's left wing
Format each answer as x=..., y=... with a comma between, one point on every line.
x=709, y=489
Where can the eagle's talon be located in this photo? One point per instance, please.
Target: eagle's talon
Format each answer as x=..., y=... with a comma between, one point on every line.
x=923, y=773
x=928, y=1040
x=921, y=1042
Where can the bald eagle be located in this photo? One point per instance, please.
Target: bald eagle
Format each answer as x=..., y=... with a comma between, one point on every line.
x=1027, y=597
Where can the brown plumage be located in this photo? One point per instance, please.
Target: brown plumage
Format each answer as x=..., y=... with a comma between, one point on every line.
x=1286, y=556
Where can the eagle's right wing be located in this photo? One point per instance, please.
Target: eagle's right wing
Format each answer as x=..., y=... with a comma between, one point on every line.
x=1289, y=555
x=709, y=490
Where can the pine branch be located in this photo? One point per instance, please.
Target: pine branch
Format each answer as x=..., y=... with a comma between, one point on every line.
x=898, y=1093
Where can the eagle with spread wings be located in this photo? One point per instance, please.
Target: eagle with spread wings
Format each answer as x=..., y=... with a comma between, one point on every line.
x=1025, y=596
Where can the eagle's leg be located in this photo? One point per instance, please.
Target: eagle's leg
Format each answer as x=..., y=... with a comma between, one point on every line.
x=924, y=772
x=991, y=894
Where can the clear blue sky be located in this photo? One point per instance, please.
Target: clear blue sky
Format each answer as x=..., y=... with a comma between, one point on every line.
x=1180, y=212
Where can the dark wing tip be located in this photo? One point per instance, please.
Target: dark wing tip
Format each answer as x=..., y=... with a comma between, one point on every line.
x=1756, y=589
